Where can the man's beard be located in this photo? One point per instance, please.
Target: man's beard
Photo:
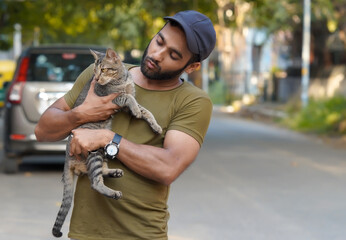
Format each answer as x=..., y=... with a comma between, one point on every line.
x=157, y=74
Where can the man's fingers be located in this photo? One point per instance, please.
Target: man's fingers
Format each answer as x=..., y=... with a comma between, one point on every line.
x=78, y=157
x=75, y=148
x=92, y=86
x=85, y=154
x=107, y=98
x=72, y=146
x=111, y=96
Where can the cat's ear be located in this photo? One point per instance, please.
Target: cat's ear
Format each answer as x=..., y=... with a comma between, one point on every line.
x=96, y=54
x=112, y=54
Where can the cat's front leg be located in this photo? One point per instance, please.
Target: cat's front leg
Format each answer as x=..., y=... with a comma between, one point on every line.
x=126, y=100
x=150, y=119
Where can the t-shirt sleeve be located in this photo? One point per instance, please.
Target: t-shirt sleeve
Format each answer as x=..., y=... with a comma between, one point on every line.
x=82, y=79
x=194, y=118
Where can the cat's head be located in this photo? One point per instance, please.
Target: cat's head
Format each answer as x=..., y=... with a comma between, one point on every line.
x=108, y=67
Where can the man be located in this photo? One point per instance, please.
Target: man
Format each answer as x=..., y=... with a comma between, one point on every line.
x=151, y=162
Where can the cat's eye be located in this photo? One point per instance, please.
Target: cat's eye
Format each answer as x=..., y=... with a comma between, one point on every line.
x=113, y=71
x=103, y=69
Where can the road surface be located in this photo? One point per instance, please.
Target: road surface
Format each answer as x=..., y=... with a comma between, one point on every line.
x=251, y=181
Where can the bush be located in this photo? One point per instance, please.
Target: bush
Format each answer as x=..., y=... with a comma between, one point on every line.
x=326, y=116
x=219, y=94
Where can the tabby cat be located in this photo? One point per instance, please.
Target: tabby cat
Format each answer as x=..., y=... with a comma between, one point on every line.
x=111, y=76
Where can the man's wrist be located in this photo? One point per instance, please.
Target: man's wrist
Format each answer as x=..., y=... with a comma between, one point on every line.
x=76, y=116
x=108, y=136
x=112, y=148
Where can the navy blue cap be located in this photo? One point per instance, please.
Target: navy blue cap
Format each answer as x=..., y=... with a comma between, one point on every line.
x=199, y=31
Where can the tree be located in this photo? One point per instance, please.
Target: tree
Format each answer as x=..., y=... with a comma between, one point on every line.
x=275, y=16
x=126, y=24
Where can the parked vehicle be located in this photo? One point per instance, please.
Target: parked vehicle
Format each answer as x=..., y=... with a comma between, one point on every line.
x=43, y=75
x=7, y=68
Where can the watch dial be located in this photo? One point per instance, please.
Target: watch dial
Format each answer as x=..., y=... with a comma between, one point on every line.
x=112, y=150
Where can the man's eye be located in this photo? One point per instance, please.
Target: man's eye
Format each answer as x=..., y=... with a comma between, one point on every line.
x=159, y=42
x=173, y=56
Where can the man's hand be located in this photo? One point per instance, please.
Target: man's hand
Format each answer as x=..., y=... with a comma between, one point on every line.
x=59, y=119
x=95, y=108
x=87, y=140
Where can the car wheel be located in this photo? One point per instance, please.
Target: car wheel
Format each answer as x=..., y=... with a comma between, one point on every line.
x=10, y=165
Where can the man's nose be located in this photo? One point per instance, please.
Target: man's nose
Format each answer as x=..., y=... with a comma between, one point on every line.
x=158, y=55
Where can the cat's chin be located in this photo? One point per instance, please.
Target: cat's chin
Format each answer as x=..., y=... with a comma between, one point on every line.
x=102, y=82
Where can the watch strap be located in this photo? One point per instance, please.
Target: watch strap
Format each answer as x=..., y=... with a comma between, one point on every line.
x=117, y=138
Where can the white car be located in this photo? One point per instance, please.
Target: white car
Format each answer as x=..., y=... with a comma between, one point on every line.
x=43, y=75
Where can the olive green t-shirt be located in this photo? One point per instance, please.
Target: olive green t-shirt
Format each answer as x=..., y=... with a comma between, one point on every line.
x=142, y=212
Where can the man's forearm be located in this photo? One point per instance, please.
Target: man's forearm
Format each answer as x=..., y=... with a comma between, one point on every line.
x=55, y=124
x=146, y=160
x=163, y=165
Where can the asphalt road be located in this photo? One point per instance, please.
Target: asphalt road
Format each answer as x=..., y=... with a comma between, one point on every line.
x=251, y=181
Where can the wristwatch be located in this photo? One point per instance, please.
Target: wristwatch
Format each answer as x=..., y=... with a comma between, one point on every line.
x=112, y=148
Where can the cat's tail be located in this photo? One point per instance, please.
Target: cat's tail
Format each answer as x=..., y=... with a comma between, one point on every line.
x=66, y=202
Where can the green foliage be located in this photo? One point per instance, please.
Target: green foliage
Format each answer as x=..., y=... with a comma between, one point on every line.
x=219, y=94
x=129, y=24
x=112, y=23
x=5, y=43
x=126, y=24
x=287, y=14
x=272, y=14
x=320, y=116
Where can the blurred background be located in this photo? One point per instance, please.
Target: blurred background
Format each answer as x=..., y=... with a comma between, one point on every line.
x=258, y=57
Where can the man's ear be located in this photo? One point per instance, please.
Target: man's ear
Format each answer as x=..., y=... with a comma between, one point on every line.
x=193, y=67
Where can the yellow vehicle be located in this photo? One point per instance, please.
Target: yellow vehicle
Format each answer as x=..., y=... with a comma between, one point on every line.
x=7, y=68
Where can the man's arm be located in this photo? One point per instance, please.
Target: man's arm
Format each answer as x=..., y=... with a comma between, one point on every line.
x=56, y=122
x=59, y=119
x=163, y=165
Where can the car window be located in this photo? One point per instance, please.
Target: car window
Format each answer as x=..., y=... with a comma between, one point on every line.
x=57, y=67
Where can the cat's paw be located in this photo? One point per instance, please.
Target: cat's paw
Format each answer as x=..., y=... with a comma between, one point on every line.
x=56, y=232
x=157, y=129
x=117, y=195
x=116, y=173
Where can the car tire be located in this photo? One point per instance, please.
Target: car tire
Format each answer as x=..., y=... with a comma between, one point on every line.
x=10, y=165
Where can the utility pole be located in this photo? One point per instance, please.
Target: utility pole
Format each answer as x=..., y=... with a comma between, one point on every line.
x=221, y=34
x=306, y=53
x=205, y=75
x=36, y=41
x=17, y=40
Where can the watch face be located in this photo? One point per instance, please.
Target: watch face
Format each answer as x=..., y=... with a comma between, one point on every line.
x=112, y=150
